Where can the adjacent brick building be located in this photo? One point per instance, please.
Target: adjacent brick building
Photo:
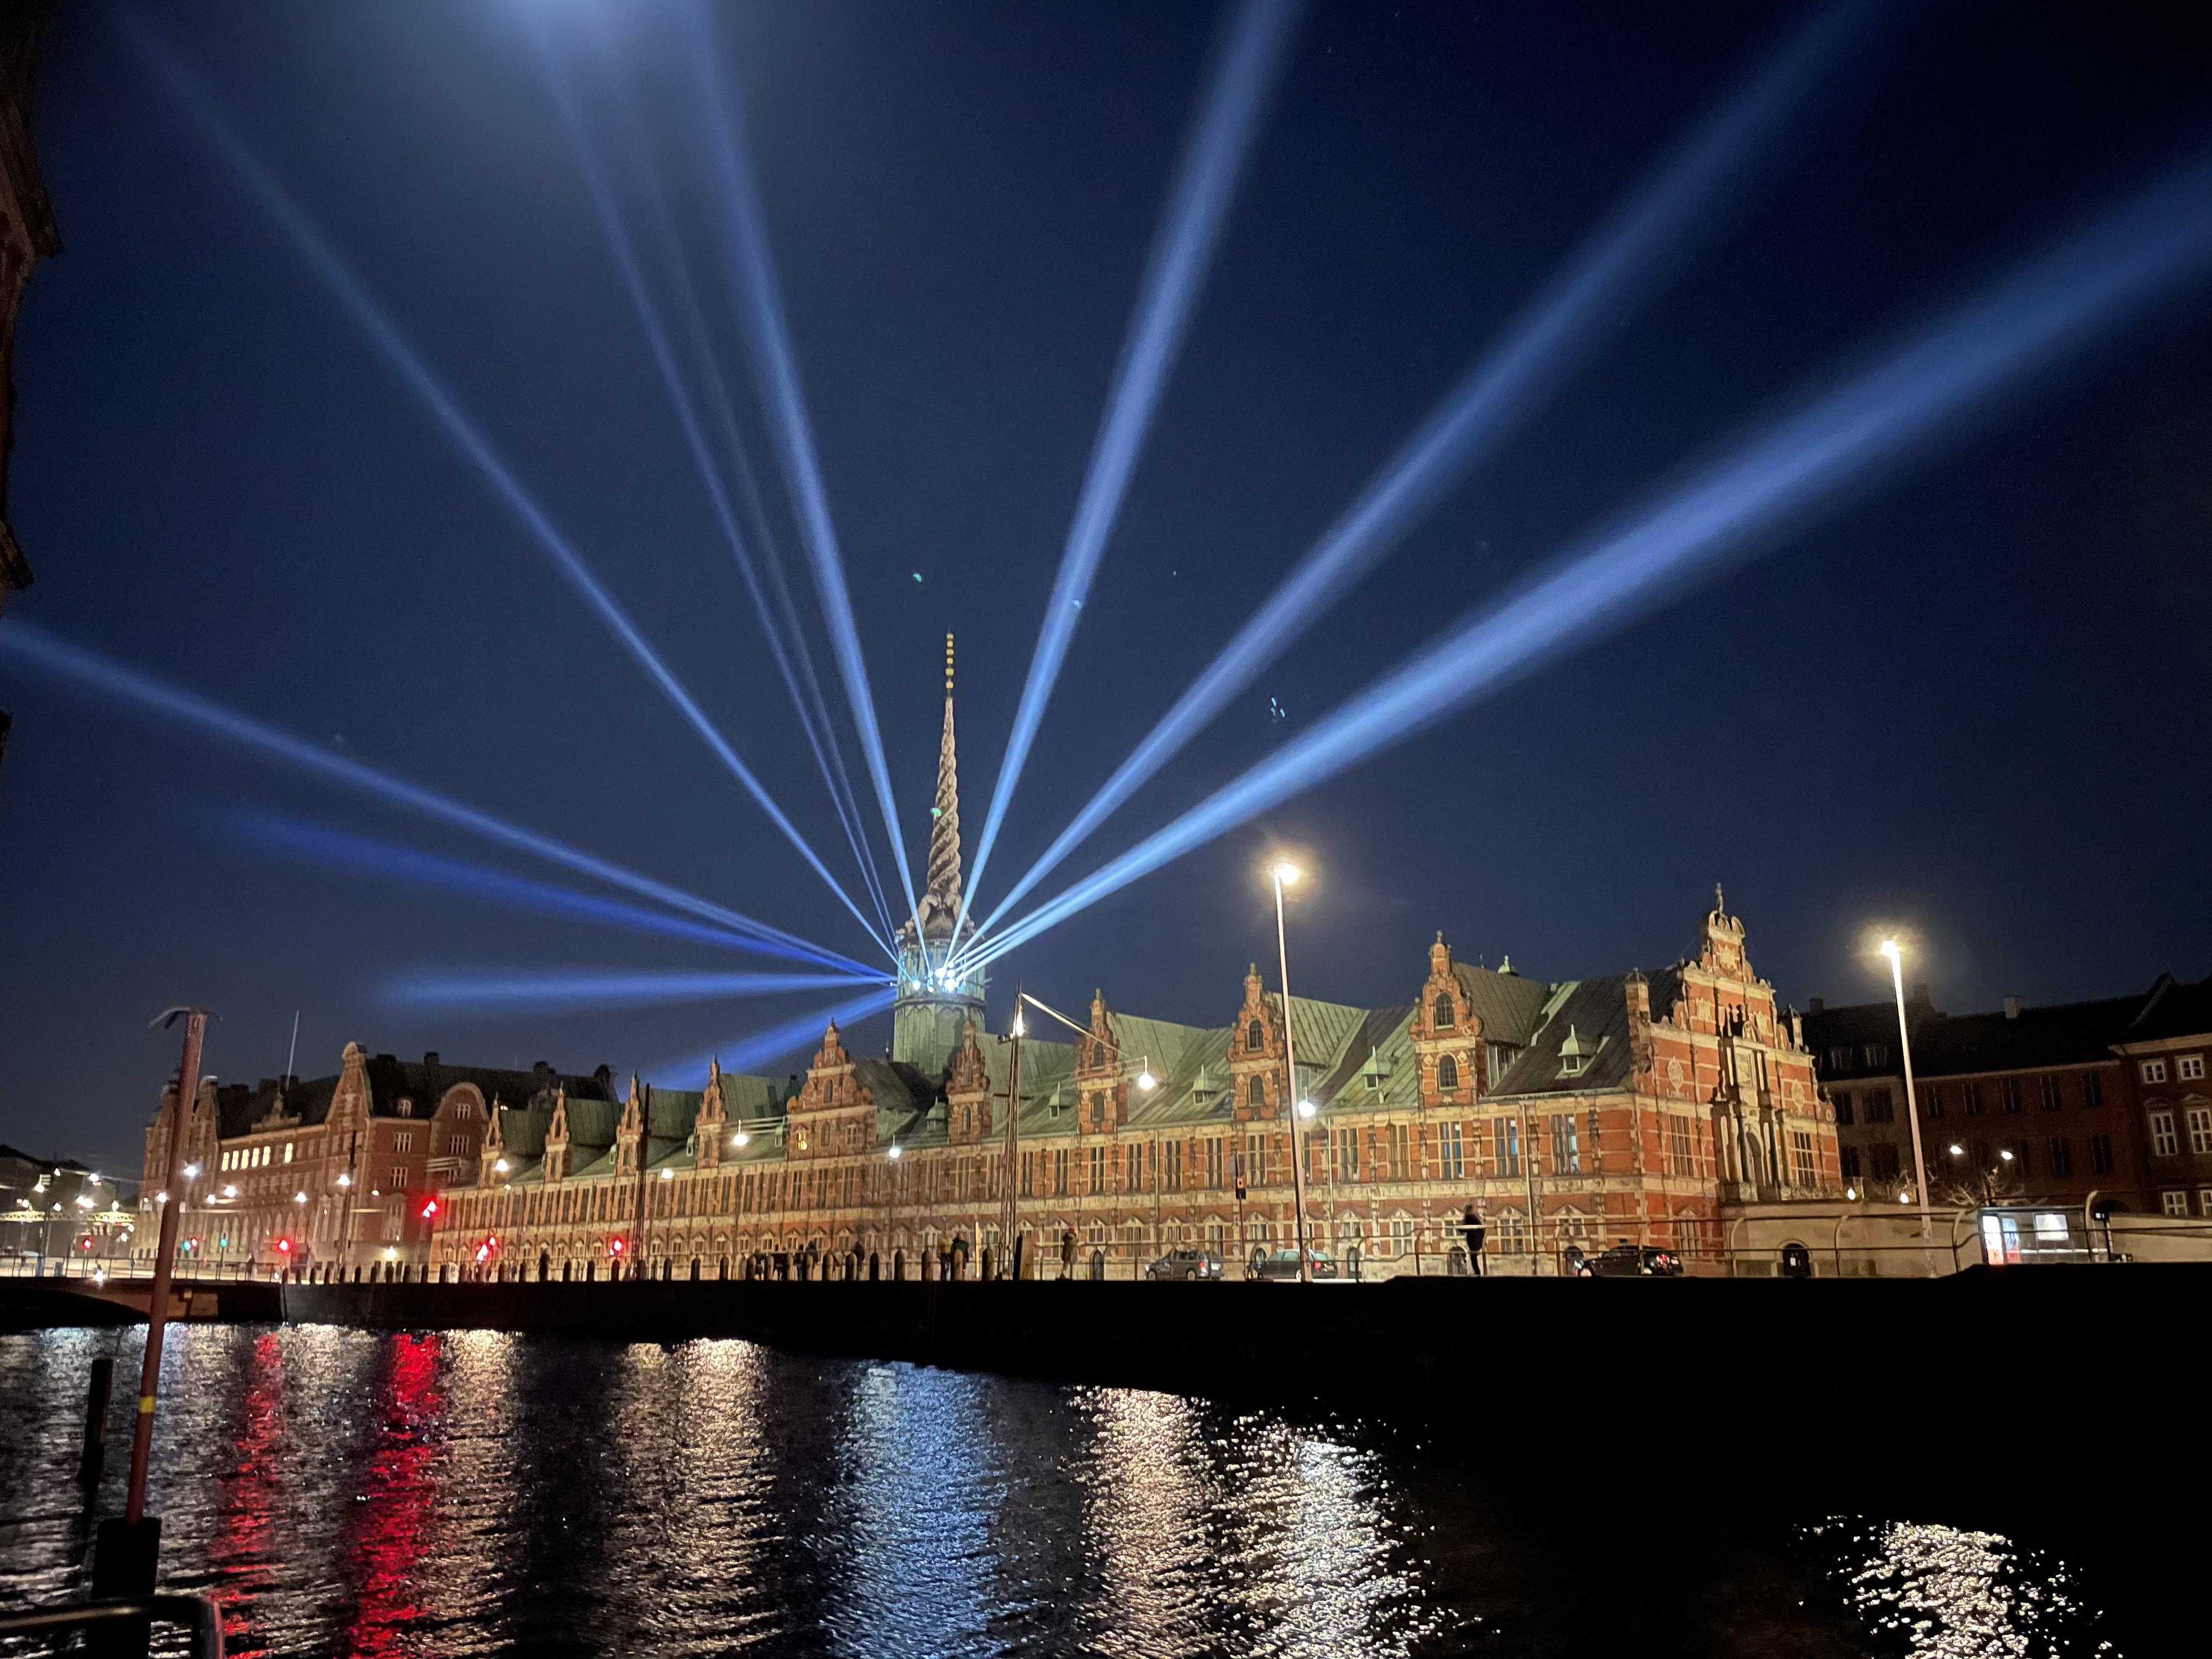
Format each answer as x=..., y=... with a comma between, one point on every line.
x=2051, y=1104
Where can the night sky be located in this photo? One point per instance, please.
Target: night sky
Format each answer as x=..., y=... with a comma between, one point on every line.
x=1972, y=698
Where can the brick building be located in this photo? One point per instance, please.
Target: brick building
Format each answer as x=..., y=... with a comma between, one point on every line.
x=2047, y=1104
x=332, y=1172
x=1635, y=1105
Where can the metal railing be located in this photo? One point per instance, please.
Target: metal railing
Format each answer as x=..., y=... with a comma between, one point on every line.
x=198, y=1614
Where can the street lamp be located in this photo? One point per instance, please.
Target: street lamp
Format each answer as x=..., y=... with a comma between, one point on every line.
x=1895, y=952
x=1287, y=874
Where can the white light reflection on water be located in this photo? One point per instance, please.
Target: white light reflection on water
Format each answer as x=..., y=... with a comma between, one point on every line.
x=919, y=1498
x=1955, y=1594
x=1278, y=1540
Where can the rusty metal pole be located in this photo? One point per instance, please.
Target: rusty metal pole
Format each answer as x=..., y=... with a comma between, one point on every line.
x=157, y=1308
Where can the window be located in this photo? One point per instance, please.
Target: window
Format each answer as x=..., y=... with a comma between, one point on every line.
x=1347, y=1154
x=2008, y=1094
x=1566, y=1145
x=401, y=1141
x=2100, y=1154
x=1681, y=1156
x=2173, y=1203
x=1879, y=1108
x=2051, y=1102
x=1255, y=1092
x=1172, y=1177
x=1877, y=1056
x=1844, y=1107
x=1882, y=1157
x=2162, y=1141
x=288, y=1152
x=1256, y=1036
x=1512, y=1233
x=1840, y=1060
x=2200, y=1129
x=1931, y=1101
x=2189, y=1068
x=1801, y=1154
x=399, y=1175
x=1398, y=1143
x=1255, y=1160
x=1507, y=1133
x=1097, y=1169
x=2022, y=1164
x=1213, y=1162
x=1060, y=1169
x=1971, y=1094
x=2154, y=1070
x=1442, y=1013
x=1850, y=1161
x=2204, y=1200
x=2062, y=1155
x=2092, y=1090
x=1447, y=1071
x=1452, y=1151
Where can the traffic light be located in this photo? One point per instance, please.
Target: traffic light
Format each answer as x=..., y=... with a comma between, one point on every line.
x=283, y=1247
x=429, y=1208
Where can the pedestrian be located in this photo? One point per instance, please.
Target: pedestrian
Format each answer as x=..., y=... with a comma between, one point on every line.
x=1067, y=1254
x=1472, y=1230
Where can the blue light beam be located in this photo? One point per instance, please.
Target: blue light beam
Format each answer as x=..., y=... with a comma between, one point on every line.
x=399, y=353
x=753, y=1048
x=552, y=990
x=768, y=336
x=1625, y=261
x=319, y=844
x=73, y=663
x=608, y=210
x=1902, y=410
x=1248, y=61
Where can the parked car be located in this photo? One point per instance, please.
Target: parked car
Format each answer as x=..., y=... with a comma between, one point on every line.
x=1185, y=1264
x=1632, y=1262
x=1284, y=1264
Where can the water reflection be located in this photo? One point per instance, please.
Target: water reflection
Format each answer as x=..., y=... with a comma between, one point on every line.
x=354, y=1492
x=1954, y=1594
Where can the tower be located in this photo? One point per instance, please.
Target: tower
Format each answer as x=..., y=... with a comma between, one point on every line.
x=932, y=1004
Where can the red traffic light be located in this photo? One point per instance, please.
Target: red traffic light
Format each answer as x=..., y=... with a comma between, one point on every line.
x=429, y=1208
x=285, y=1246
x=615, y=1247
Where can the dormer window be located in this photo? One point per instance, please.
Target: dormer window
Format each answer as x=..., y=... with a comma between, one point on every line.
x=1373, y=1080
x=1576, y=1053
x=1444, y=1014
x=406, y=1107
x=1447, y=1069
x=1256, y=1036
x=1255, y=1092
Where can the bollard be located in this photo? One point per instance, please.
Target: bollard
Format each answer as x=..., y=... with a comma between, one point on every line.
x=95, y=1455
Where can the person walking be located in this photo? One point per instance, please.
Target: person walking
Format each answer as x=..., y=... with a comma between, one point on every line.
x=1067, y=1254
x=1472, y=1230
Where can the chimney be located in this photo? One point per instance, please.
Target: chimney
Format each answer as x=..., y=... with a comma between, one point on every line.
x=430, y=1057
x=1817, y=1004
x=1919, y=994
x=2012, y=1007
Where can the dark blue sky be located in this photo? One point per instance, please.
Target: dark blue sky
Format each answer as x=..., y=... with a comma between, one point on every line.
x=1975, y=699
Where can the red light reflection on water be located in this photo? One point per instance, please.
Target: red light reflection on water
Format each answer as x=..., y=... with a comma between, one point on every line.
x=240, y=1553
x=399, y=1502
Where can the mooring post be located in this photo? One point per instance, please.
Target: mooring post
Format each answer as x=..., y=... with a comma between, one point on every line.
x=95, y=1455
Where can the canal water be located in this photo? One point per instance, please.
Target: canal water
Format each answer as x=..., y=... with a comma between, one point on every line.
x=354, y=1492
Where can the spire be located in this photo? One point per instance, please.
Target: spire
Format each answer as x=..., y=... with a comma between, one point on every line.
x=941, y=905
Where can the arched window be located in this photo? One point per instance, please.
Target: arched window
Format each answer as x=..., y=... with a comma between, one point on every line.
x=1447, y=1073
x=1444, y=1014
x=1255, y=1092
x=1256, y=1036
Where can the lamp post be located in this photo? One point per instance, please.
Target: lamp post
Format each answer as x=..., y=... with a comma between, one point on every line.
x=1283, y=874
x=1895, y=952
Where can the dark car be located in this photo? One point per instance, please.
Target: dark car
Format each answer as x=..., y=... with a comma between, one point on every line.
x=1185, y=1264
x=1632, y=1262
x=1284, y=1264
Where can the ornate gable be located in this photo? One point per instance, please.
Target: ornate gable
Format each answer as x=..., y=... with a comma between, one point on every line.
x=1447, y=1036
x=1102, y=1083
x=833, y=1111
x=557, y=1137
x=706, y=1137
x=630, y=1131
x=1255, y=1054
x=968, y=1090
